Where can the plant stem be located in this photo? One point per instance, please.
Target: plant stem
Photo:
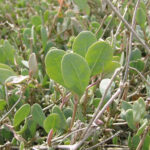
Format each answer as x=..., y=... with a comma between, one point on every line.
x=76, y=99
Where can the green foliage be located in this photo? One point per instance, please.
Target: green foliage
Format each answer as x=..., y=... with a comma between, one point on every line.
x=130, y=119
x=53, y=65
x=37, y=114
x=82, y=42
x=5, y=74
x=53, y=121
x=61, y=56
x=141, y=17
x=21, y=114
x=76, y=73
x=2, y=104
x=103, y=86
x=98, y=56
x=57, y=110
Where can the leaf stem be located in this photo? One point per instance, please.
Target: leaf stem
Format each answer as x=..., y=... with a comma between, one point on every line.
x=76, y=99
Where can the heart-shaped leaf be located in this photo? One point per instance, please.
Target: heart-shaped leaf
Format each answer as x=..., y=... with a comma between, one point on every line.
x=82, y=42
x=98, y=56
x=52, y=122
x=53, y=65
x=76, y=73
x=21, y=114
x=37, y=114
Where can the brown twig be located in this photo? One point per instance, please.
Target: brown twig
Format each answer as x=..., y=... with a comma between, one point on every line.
x=143, y=138
x=76, y=99
x=128, y=26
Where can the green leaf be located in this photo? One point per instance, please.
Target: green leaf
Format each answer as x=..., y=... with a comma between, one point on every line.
x=142, y=128
x=52, y=122
x=98, y=56
x=21, y=114
x=67, y=112
x=4, y=66
x=129, y=119
x=111, y=67
x=146, y=144
x=33, y=65
x=44, y=37
x=7, y=53
x=103, y=86
x=2, y=104
x=27, y=37
x=139, y=105
x=36, y=20
x=138, y=64
x=53, y=65
x=57, y=110
x=5, y=74
x=76, y=73
x=37, y=114
x=135, y=54
x=141, y=17
x=81, y=4
x=82, y=42
x=135, y=141
x=125, y=105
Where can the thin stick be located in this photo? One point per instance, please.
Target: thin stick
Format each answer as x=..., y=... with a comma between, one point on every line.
x=143, y=138
x=118, y=29
x=143, y=78
x=113, y=14
x=76, y=99
x=101, y=102
x=130, y=41
x=12, y=108
x=128, y=26
x=101, y=24
x=55, y=18
x=97, y=145
x=89, y=131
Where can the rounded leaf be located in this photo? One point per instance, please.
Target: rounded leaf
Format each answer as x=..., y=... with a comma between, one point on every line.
x=82, y=42
x=52, y=122
x=53, y=65
x=37, y=114
x=98, y=56
x=21, y=114
x=76, y=73
x=57, y=110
